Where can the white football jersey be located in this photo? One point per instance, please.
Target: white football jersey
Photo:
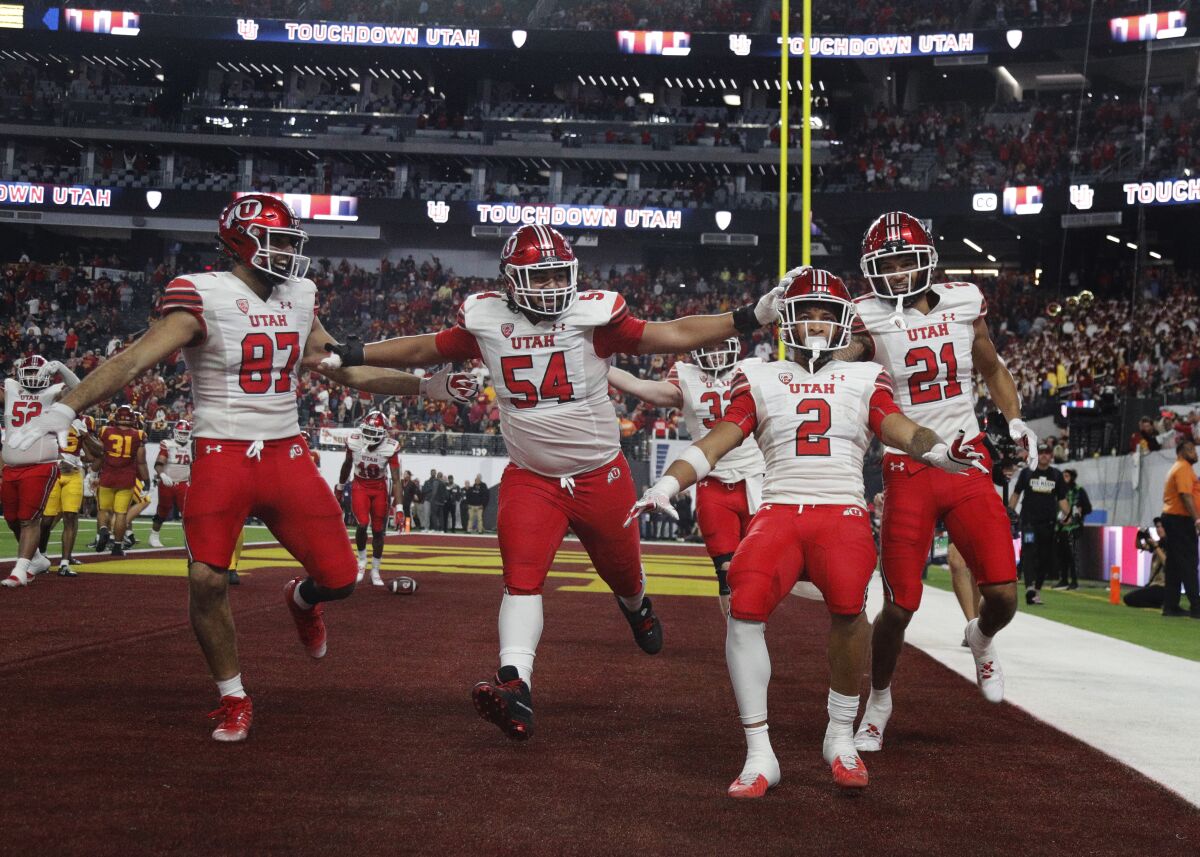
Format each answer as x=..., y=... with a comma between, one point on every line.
x=244, y=369
x=551, y=379
x=20, y=406
x=930, y=357
x=705, y=397
x=813, y=428
x=372, y=465
x=178, y=458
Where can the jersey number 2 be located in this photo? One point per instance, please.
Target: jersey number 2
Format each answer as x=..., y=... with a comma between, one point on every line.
x=810, y=433
x=922, y=384
x=555, y=384
x=258, y=361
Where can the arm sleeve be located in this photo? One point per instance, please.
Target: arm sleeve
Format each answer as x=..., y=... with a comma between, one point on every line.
x=673, y=376
x=742, y=412
x=457, y=343
x=882, y=403
x=622, y=333
x=181, y=294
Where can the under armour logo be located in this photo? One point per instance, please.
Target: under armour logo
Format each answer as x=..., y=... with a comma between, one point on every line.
x=286, y=305
x=947, y=316
x=896, y=465
x=558, y=327
x=247, y=29
x=208, y=448
x=296, y=451
x=837, y=377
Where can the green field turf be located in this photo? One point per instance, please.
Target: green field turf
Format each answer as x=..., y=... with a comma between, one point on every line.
x=1088, y=608
x=172, y=537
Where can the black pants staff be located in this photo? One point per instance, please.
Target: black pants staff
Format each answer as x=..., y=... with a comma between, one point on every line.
x=1068, y=556
x=451, y=515
x=1183, y=557
x=1037, y=554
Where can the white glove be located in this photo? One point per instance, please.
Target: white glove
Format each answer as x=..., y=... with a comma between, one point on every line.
x=80, y=426
x=55, y=419
x=448, y=386
x=51, y=368
x=791, y=275
x=164, y=479
x=956, y=457
x=1023, y=436
x=766, y=311
x=657, y=497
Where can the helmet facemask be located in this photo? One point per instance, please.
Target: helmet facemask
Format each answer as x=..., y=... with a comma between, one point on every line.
x=29, y=373
x=182, y=433
x=373, y=434
x=540, y=293
x=898, y=273
x=720, y=358
x=812, y=339
x=280, y=253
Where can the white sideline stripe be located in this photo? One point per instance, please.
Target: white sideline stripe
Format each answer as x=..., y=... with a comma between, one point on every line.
x=1127, y=701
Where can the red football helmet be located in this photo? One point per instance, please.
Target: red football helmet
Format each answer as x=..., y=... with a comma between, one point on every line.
x=540, y=249
x=904, y=241
x=261, y=231
x=30, y=372
x=815, y=287
x=182, y=432
x=124, y=416
x=718, y=358
x=374, y=427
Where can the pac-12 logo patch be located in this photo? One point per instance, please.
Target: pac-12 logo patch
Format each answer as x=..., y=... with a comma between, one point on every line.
x=243, y=305
x=614, y=475
x=785, y=377
x=506, y=330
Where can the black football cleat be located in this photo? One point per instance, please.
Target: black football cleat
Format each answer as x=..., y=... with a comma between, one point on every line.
x=647, y=632
x=234, y=580
x=115, y=549
x=101, y=541
x=507, y=702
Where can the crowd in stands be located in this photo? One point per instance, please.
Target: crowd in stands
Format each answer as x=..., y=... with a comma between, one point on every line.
x=84, y=307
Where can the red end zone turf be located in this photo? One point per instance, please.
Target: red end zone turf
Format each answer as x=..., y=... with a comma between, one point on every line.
x=376, y=750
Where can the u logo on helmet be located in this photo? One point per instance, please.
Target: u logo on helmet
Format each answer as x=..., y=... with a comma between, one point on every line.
x=246, y=209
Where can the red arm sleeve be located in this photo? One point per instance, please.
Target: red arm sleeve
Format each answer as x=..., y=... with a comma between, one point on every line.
x=673, y=376
x=181, y=294
x=457, y=343
x=883, y=402
x=742, y=412
x=622, y=333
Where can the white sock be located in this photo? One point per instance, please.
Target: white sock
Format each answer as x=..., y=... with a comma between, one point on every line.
x=362, y=557
x=231, y=687
x=880, y=700
x=21, y=567
x=634, y=602
x=520, y=630
x=375, y=563
x=976, y=639
x=758, y=741
x=749, y=667
x=300, y=602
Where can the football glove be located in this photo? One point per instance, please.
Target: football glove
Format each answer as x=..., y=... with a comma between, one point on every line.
x=448, y=386
x=55, y=420
x=342, y=355
x=657, y=498
x=1023, y=436
x=956, y=457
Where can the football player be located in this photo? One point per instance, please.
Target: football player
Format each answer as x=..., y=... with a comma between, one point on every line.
x=173, y=469
x=30, y=471
x=244, y=335
x=813, y=417
x=546, y=345
x=931, y=337
x=373, y=456
x=79, y=448
x=729, y=496
x=122, y=466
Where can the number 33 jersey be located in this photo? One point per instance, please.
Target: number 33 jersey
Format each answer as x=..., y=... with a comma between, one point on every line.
x=550, y=377
x=244, y=363
x=813, y=428
x=705, y=398
x=930, y=355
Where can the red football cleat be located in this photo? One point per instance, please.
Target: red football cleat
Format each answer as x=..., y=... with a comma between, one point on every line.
x=849, y=772
x=755, y=788
x=309, y=623
x=235, y=714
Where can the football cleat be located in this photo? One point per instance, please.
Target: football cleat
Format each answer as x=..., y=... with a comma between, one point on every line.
x=236, y=714
x=647, y=631
x=129, y=541
x=869, y=737
x=15, y=579
x=234, y=580
x=309, y=623
x=988, y=671
x=116, y=549
x=507, y=702
x=65, y=570
x=376, y=580
x=759, y=775
x=849, y=772
x=155, y=540
x=39, y=564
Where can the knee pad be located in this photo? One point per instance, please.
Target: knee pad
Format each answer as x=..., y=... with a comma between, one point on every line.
x=722, y=573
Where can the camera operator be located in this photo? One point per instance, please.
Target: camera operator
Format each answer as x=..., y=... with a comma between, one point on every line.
x=1181, y=499
x=1151, y=595
x=1070, y=530
x=1045, y=503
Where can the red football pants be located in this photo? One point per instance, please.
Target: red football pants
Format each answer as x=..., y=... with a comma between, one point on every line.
x=536, y=511
x=369, y=500
x=26, y=489
x=170, y=498
x=723, y=512
x=915, y=496
x=831, y=546
x=283, y=487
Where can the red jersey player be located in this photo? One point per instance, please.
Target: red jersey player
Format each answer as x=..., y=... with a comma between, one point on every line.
x=244, y=334
x=122, y=466
x=931, y=337
x=372, y=456
x=546, y=346
x=173, y=467
x=813, y=416
x=727, y=498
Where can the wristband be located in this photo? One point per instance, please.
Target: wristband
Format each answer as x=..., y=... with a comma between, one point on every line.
x=744, y=320
x=697, y=459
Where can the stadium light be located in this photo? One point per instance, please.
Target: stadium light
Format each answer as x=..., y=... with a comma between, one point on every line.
x=1130, y=245
x=1113, y=238
x=991, y=258
x=1154, y=255
x=732, y=99
x=646, y=97
x=972, y=245
x=755, y=82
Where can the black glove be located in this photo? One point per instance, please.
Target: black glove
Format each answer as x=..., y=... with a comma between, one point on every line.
x=349, y=353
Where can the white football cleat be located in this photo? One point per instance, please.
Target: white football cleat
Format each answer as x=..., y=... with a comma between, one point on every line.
x=988, y=672
x=39, y=564
x=15, y=579
x=869, y=737
x=759, y=774
x=362, y=569
x=376, y=580
x=155, y=540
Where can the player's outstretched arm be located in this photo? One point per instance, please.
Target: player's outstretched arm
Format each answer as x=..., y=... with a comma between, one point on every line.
x=1001, y=388
x=689, y=468
x=662, y=394
x=924, y=444
x=694, y=331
